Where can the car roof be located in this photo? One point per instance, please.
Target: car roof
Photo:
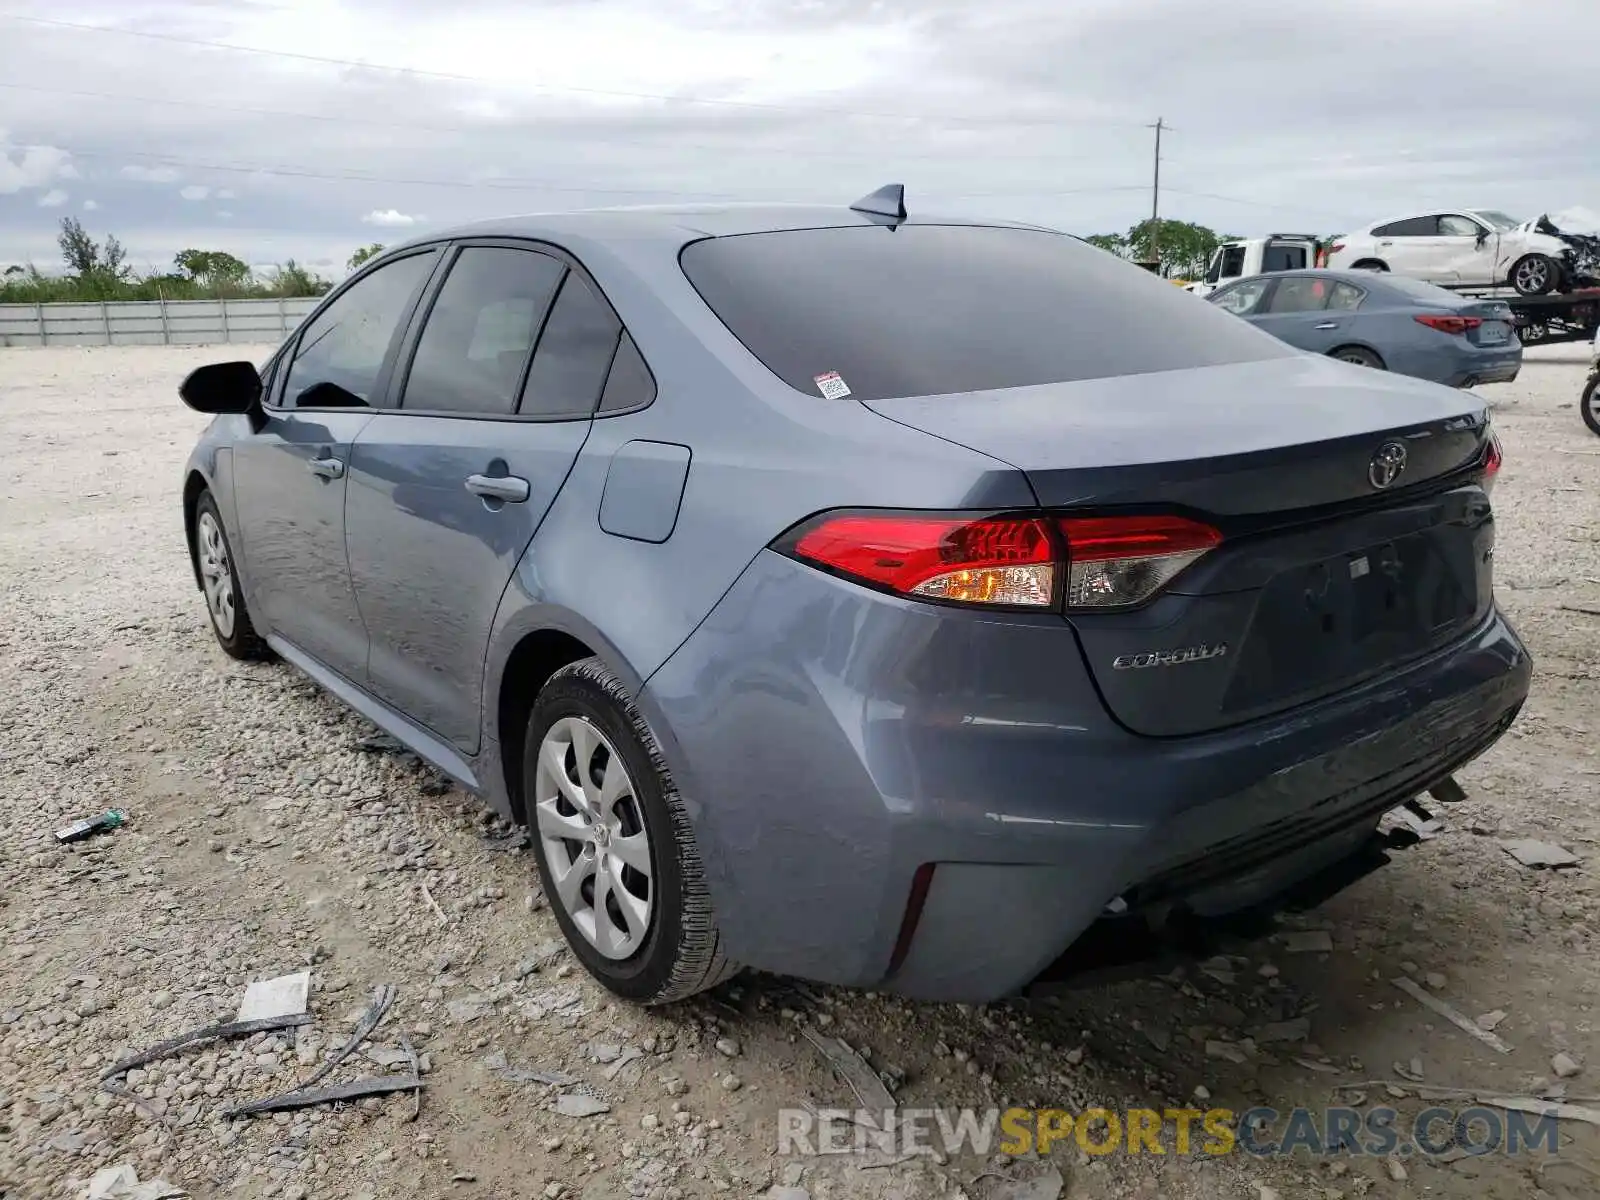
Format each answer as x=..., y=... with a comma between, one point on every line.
x=678, y=224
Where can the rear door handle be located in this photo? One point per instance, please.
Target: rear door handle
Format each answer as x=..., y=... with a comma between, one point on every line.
x=327, y=468
x=510, y=488
x=1326, y=325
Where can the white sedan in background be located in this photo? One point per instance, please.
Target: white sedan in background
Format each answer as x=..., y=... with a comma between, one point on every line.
x=1467, y=247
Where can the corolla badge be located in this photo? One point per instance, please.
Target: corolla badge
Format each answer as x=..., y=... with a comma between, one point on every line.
x=1169, y=658
x=1386, y=465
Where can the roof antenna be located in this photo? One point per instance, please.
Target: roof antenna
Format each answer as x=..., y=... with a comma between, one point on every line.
x=887, y=201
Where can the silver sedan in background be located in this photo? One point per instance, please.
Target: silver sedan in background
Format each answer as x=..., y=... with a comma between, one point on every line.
x=1383, y=321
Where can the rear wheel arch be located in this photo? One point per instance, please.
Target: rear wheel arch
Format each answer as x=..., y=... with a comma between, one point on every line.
x=1365, y=355
x=535, y=657
x=1369, y=264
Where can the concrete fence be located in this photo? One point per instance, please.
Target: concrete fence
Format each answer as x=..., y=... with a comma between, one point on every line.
x=152, y=322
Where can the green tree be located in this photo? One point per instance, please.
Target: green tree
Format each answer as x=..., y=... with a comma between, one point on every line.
x=291, y=279
x=1115, y=243
x=363, y=254
x=1185, y=247
x=99, y=269
x=215, y=270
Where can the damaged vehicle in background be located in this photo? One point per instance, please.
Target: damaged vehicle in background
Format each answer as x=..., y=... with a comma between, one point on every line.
x=1477, y=248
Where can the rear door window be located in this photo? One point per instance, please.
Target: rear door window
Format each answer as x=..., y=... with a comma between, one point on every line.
x=1299, y=293
x=1410, y=227
x=474, y=347
x=875, y=312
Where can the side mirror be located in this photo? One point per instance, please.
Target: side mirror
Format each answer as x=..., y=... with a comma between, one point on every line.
x=228, y=387
x=1483, y=236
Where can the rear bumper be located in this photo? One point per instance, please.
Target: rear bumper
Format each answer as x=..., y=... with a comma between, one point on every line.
x=830, y=741
x=1488, y=368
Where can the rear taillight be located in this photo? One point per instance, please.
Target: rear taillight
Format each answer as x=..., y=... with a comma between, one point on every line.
x=1088, y=563
x=1117, y=561
x=1493, y=457
x=1455, y=325
x=990, y=560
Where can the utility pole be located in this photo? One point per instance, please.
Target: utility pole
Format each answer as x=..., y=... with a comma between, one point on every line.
x=1155, y=199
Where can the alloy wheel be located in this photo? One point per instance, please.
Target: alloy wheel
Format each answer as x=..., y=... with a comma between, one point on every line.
x=596, y=846
x=217, y=574
x=1533, y=276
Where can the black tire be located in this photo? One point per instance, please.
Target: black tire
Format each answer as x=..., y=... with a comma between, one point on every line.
x=1534, y=275
x=241, y=641
x=1589, y=405
x=1370, y=264
x=1360, y=356
x=681, y=953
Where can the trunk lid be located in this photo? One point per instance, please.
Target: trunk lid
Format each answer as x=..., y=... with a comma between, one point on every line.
x=1323, y=579
x=1499, y=325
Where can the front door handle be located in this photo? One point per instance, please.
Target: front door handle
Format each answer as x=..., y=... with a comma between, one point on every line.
x=508, y=488
x=327, y=468
x=1326, y=325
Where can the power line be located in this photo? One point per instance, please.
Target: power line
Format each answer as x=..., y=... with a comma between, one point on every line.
x=524, y=184
x=718, y=102
x=481, y=130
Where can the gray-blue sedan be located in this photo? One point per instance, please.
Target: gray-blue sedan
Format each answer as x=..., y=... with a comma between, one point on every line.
x=894, y=602
x=1383, y=321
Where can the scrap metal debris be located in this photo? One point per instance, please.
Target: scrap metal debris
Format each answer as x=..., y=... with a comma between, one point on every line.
x=122, y=1183
x=284, y=996
x=1532, y=853
x=356, y=1089
x=854, y=1070
x=1462, y=1022
x=228, y=1029
x=305, y=1096
x=576, y=1104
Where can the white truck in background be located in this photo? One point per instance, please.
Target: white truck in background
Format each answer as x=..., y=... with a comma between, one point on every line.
x=1257, y=256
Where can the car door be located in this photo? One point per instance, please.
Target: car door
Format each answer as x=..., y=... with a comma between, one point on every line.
x=1297, y=312
x=290, y=475
x=1467, y=251
x=448, y=489
x=1474, y=250
x=1411, y=247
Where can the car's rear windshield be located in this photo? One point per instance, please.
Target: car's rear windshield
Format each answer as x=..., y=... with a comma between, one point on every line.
x=924, y=310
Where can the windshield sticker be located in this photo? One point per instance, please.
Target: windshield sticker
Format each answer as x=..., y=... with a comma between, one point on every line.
x=832, y=385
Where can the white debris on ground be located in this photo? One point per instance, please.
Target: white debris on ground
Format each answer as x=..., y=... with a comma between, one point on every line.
x=269, y=834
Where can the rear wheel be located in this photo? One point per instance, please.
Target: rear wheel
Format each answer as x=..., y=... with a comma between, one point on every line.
x=1590, y=404
x=230, y=619
x=1359, y=355
x=615, y=850
x=1535, y=274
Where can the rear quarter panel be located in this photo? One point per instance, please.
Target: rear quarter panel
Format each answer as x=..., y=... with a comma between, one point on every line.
x=762, y=458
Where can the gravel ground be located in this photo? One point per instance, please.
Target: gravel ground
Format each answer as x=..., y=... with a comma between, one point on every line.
x=264, y=839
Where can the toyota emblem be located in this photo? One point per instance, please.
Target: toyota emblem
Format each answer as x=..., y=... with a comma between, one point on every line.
x=1386, y=465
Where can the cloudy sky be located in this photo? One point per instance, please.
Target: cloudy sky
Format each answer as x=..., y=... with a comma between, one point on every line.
x=305, y=128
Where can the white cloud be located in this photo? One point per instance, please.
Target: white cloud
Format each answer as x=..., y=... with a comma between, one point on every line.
x=194, y=192
x=90, y=205
x=34, y=167
x=225, y=194
x=150, y=174
x=54, y=198
x=389, y=218
x=225, y=214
